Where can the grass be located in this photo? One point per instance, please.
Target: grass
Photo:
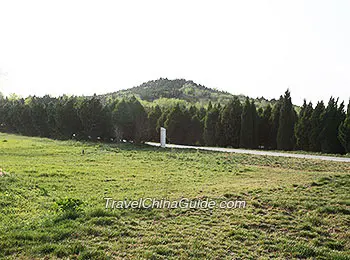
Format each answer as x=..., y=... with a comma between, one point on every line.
x=52, y=203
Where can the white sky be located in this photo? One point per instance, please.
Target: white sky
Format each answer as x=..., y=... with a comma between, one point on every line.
x=256, y=48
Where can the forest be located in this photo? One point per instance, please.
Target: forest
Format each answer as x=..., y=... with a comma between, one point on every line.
x=321, y=128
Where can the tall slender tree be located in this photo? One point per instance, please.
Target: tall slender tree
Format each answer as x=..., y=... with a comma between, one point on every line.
x=285, y=134
x=344, y=131
x=317, y=124
x=231, y=122
x=211, y=120
x=249, y=131
x=153, y=116
x=275, y=119
x=333, y=117
x=265, y=125
x=303, y=127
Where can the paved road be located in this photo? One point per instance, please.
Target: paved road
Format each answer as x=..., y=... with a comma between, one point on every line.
x=256, y=152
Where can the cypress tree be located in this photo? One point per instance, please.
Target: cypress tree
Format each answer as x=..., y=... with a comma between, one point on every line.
x=67, y=119
x=265, y=125
x=231, y=122
x=195, y=131
x=344, y=131
x=316, y=124
x=39, y=116
x=285, y=133
x=210, y=123
x=139, y=120
x=248, y=133
x=220, y=132
x=153, y=116
x=177, y=125
x=303, y=127
x=94, y=118
x=275, y=118
x=333, y=117
x=123, y=121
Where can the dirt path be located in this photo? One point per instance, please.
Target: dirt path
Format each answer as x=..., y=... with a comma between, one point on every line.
x=256, y=152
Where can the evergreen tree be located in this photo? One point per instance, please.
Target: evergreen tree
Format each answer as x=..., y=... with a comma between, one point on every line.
x=285, y=133
x=275, y=118
x=139, y=121
x=210, y=122
x=162, y=119
x=193, y=111
x=202, y=113
x=177, y=125
x=67, y=118
x=210, y=106
x=303, y=127
x=220, y=132
x=248, y=135
x=195, y=131
x=27, y=122
x=333, y=117
x=39, y=117
x=153, y=116
x=94, y=119
x=231, y=122
x=265, y=125
x=123, y=121
x=316, y=124
x=344, y=131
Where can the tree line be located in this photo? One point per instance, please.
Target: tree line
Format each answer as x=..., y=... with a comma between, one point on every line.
x=319, y=129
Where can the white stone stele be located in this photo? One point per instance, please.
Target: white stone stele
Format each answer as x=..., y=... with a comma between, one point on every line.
x=162, y=137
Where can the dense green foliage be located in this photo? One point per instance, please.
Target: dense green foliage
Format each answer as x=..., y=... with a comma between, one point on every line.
x=333, y=117
x=165, y=92
x=304, y=127
x=210, y=125
x=249, y=126
x=344, y=131
x=235, y=124
x=287, y=119
x=52, y=203
x=317, y=123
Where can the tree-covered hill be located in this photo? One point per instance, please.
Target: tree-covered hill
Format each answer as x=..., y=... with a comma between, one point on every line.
x=179, y=90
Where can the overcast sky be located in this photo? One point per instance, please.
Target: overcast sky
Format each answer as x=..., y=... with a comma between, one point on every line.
x=256, y=48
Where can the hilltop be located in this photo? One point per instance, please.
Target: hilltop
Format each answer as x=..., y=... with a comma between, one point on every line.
x=179, y=90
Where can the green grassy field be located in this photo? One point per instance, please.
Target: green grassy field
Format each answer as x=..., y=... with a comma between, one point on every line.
x=296, y=208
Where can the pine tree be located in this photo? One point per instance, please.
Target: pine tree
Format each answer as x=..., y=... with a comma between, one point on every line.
x=344, y=131
x=285, y=133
